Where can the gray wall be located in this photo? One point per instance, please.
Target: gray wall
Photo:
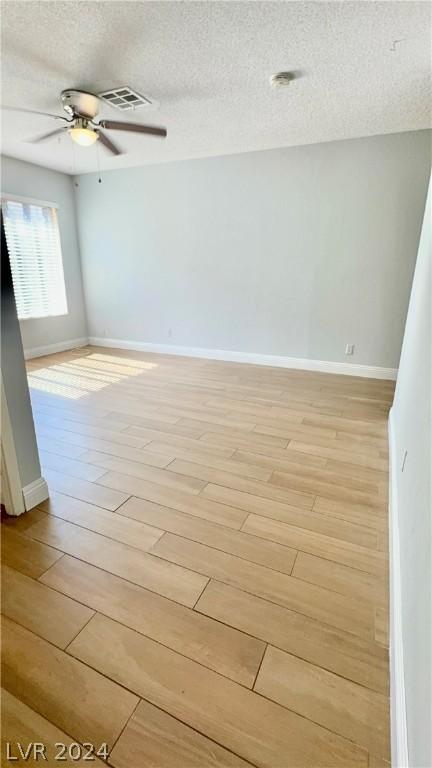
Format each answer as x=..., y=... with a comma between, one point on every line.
x=15, y=381
x=412, y=431
x=19, y=178
x=294, y=251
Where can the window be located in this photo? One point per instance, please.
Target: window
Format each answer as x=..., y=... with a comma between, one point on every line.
x=33, y=241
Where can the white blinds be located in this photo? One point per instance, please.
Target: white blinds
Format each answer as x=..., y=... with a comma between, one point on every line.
x=33, y=240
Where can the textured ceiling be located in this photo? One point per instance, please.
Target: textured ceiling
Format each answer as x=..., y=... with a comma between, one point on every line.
x=365, y=70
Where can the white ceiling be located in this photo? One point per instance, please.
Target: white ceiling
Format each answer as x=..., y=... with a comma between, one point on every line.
x=208, y=64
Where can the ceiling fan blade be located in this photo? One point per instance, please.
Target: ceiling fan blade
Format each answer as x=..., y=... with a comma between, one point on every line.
x=6, y=108
x=48, y=135
x=109, y=144
x=114, y=125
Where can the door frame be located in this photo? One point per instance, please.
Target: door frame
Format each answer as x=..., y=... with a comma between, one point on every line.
x=12, y=495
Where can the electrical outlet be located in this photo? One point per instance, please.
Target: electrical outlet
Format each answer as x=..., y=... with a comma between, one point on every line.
x=349, y=349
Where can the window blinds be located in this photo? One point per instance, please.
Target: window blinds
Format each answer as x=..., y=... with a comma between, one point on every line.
x=33, y=241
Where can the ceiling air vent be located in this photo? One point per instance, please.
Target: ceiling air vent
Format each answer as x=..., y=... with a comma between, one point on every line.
x=124, y=98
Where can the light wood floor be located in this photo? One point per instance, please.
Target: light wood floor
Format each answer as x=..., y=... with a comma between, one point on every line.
x=207, y=585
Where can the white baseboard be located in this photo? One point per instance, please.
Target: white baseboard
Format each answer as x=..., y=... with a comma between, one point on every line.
x=276, y=361
x=35, y=493
x=399, y=736
x=50, y=349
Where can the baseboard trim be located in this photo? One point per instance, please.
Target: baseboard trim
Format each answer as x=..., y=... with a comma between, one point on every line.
x=35, y=493
x=399, y=736
x=275, y=361
x=50, y=349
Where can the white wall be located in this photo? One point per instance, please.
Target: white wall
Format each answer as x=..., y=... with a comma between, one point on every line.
x=294, y=251
x=411, y=430
x=19, y=178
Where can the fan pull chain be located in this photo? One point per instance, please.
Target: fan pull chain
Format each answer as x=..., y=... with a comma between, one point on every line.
x=76, y=184
x=98, y=162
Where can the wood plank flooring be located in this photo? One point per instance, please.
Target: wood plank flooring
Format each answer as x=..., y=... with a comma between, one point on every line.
x=207, y=586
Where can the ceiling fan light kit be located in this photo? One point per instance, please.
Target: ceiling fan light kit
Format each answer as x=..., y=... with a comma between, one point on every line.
x=81, y=134
x=81, y=108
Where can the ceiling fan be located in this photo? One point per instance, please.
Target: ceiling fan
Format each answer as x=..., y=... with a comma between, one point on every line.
x=82, y=108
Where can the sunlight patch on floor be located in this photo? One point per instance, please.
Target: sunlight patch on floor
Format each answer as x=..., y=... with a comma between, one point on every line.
x=84, y=375
x=52, y=388
x=78, y=370
x=89, y=385
x=142, y=364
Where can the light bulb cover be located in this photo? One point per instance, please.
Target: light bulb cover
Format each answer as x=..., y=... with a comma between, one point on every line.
x=85, y=137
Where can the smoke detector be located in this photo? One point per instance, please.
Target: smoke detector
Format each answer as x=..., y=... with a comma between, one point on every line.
x=281, y=79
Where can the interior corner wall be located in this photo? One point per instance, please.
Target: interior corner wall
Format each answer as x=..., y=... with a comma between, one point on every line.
x=33, y=181
x=411, y=462
x=293, y=252
x=14, y=380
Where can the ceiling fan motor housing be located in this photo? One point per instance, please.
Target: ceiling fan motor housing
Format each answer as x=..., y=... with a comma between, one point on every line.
x=82, y=122
x=80, y=103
